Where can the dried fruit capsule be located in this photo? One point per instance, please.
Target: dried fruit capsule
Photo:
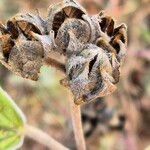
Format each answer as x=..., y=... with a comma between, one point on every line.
x=25, y=59
x=27, y=23
x=78, y=27
x=89, y=73
x=113, y=41
x=59, y=12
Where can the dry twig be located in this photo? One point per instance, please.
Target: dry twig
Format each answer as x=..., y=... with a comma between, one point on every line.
x=77, y=124
x=43, y=138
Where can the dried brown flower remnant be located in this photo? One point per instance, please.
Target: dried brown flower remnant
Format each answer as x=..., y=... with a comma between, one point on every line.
x=89, y=73
x=27, y=23
x=20, y=52
x=58, y=13
x=25, y=59
x=93, y=46
x=80, y=31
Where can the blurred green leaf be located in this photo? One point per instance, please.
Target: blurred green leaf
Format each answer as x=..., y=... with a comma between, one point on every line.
x=145, y=34
x=12, y=123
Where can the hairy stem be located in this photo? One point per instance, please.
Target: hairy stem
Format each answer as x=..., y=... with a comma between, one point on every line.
x=77, y=125
x=43, y=138
x=74, y=109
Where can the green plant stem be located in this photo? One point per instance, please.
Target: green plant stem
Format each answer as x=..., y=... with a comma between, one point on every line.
x=43, y=138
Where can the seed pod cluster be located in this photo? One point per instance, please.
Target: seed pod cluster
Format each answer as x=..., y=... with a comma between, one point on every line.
x=93, y=46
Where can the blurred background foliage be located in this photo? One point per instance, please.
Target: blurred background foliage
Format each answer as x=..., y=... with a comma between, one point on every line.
x=118, y=122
